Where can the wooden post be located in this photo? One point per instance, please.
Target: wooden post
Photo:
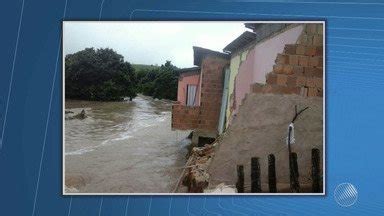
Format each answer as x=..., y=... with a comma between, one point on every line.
x=294, y=173
x=255, y=175
x=240, y=179
x=316, y=171
x=272, y=174
x=293, y=168
x=290, y=159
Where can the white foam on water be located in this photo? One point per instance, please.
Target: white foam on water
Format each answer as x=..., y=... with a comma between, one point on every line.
x=71, y=190
x=123, y=137
x=80, y=151
x=161, y=119
x=143, y=125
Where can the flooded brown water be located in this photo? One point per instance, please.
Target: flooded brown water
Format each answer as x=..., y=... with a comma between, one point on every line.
x=122, y=147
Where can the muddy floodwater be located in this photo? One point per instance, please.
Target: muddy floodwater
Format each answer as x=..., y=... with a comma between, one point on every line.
x=122, y=147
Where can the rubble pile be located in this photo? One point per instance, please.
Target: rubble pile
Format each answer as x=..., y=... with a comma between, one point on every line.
x=196, y=177
x=222, y=189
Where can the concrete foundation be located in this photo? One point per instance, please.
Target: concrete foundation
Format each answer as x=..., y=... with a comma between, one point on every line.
x=198, y=134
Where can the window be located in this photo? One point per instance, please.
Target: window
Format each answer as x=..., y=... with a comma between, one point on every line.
x=191, y=95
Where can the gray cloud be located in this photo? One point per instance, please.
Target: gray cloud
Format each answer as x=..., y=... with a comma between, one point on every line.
x=150, y=42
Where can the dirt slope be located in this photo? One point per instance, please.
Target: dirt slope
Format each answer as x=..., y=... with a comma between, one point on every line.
x=260, y=128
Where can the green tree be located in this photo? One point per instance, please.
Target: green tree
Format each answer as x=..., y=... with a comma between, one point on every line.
x=159, y=82
x=165, y=85
x=99, y=74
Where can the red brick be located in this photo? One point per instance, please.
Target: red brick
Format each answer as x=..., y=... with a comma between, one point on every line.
x=281, y=79
x=317, y=40
x=318, y=82
x=275, y=89
x=290, y=49
x=271, y=78
x=311, y=50
x=316, y=61
x=291, y=81
x=291, y=90
x=298, y=70
x=312, y=92
x=300, y=50
x=309, y=71
x=293, y=60
x=319, y=51
x=282, y=59
x=306, y=39
x=313, y=72
x=301, y=81
x=288, y=69
x=311, y=28
x=278, y=68
x=303, y=61
x=310, y=82
x=320, y=29
x=318, y=72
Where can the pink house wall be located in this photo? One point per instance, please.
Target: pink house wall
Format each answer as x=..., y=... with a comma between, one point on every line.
x=184, y=80
x=259, y=62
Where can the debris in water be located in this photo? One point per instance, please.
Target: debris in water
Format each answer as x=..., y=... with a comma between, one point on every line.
x=80, y=115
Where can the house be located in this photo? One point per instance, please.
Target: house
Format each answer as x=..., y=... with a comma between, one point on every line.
x=274, y=69
x=251, y=91
x=253, y=56
x=188, y=89
x=200, y=94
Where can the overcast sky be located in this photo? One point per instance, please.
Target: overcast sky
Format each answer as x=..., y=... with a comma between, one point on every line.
x=151, y=42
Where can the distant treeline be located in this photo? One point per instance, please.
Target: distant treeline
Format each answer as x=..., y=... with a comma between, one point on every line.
x=103, y=75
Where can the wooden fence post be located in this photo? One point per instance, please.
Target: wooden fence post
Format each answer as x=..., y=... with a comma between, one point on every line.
x=294, y=173
x=272, y=174
x=316, y=171
x=255, y=175
x=240, y=179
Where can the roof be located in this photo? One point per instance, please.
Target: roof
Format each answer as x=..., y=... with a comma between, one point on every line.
x=266, y=28
x=240, y=42
x=200, y=53
x=253, y=26
x=190, y=69
x=260, y=32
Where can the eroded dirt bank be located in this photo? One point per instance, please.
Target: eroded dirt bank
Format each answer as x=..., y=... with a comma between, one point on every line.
x=259, y=129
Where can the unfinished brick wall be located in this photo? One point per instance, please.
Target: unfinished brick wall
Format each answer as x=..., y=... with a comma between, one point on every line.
x=212, y=80
x=206, y=116
x=185, y=117
x=299, y=69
